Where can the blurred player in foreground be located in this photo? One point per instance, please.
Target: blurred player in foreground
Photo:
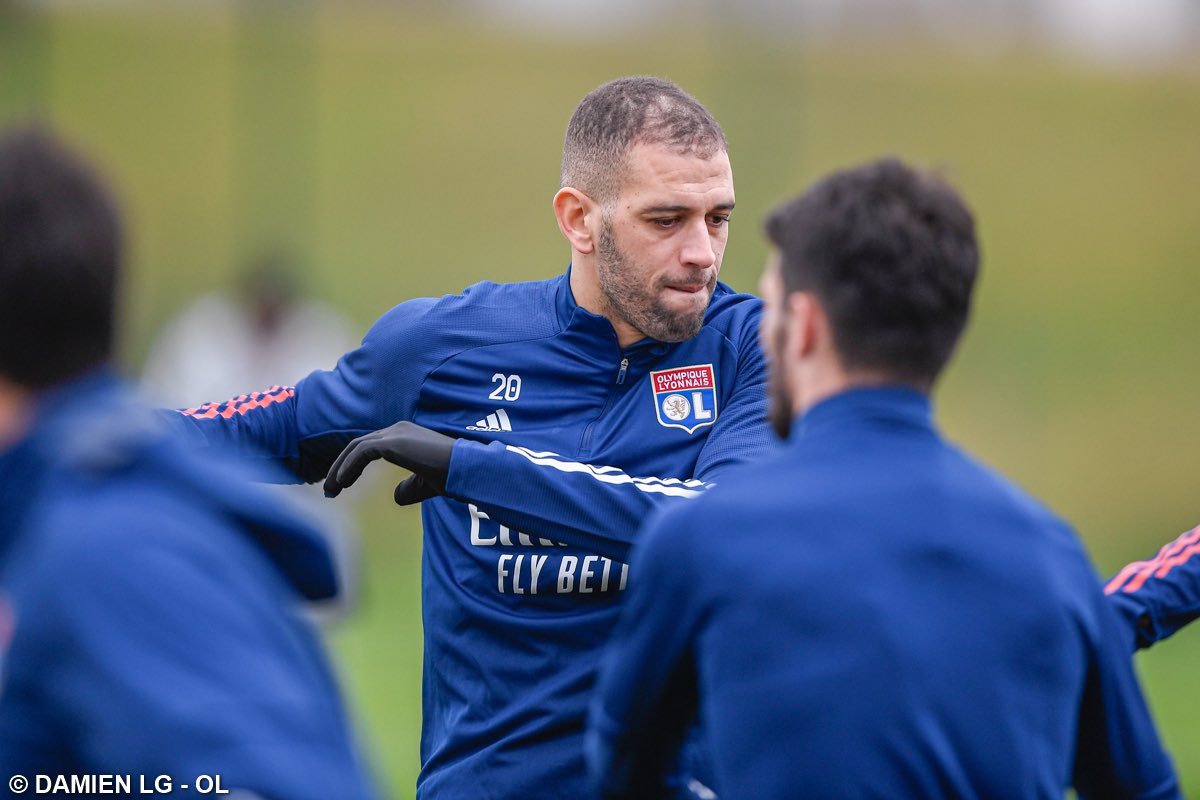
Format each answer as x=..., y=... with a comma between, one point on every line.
x=148, y=620
x=543, y=421
x=870, y=612
x=262, y=332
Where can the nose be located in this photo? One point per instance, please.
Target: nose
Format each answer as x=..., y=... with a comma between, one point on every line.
x=699, y=246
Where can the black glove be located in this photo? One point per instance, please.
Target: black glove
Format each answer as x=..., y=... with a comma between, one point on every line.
x=424, y=452
x=415, y=489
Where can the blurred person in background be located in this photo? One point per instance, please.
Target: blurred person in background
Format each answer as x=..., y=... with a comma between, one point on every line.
x=263, y=334
x=543, y=420
x=870, y=612
x=148, y=593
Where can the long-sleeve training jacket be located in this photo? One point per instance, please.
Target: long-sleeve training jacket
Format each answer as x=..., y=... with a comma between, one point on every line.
x=567, y=442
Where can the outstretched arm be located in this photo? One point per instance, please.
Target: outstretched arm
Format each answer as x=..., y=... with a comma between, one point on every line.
x=545, y=494
x=305, y=427
x=600, y=507
x=1157, y=597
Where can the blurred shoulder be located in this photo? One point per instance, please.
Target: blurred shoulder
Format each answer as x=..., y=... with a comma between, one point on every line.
x=108, y=515
x=735, y=317
x=1008, y=498
x=705, y=524
x=733, y=312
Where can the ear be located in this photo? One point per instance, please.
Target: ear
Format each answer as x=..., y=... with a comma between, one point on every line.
x=16, y=412
x=576, y=213
x=806, y=324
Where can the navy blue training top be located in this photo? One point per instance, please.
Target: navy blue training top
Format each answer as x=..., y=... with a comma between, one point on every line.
x=1160, y=595
x=149, y=619
x=567, y=441
x=871, y=613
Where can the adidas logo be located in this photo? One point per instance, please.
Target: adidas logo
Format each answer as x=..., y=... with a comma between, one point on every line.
x=496, y=421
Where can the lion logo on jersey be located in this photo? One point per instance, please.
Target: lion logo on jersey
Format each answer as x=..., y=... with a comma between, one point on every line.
x=685, y=397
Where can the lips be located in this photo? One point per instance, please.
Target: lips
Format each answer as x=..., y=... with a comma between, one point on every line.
x=690, y=288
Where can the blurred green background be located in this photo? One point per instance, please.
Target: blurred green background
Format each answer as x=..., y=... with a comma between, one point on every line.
x=412, y=153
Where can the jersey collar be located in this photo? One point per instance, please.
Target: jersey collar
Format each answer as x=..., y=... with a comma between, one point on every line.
x=892, y=405
x=575, y=318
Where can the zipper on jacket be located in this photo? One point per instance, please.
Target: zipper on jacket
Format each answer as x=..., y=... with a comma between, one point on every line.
x=586, y=443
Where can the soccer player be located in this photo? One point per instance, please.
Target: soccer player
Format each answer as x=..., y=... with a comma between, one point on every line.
x=148, y=629
x=543, y=421
x=870, y=612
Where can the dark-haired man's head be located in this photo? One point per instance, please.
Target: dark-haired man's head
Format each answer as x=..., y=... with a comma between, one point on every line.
x=60, y=254
x=881, y=260
x=646, y=191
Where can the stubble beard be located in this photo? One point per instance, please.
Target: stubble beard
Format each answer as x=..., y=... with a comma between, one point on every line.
x=779, y=397
x=639, y=305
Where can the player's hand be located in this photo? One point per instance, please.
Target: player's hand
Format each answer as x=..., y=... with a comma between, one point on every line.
x=415, y=489
x=424, y=452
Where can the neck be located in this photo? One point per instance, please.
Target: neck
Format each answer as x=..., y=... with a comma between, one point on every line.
x=825, y=383
x=16, y=412
x=585, y=287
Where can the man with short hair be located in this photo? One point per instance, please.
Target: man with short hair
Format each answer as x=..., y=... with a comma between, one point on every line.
x=870, y=612
x=542, y=422
x=148, y=628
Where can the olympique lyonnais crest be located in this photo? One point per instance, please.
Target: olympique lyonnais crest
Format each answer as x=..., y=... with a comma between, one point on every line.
x=685, y=397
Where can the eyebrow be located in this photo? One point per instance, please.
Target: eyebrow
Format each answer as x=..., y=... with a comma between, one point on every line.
x=683, y=209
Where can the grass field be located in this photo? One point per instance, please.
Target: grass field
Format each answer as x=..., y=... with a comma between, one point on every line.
x=412, y=155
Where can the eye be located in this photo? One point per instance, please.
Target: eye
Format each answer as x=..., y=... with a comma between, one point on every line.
x=664, y=222
x=717, y=220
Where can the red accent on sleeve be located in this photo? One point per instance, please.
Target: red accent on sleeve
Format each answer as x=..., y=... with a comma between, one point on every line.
x=1133, y=576
x=241, y=404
